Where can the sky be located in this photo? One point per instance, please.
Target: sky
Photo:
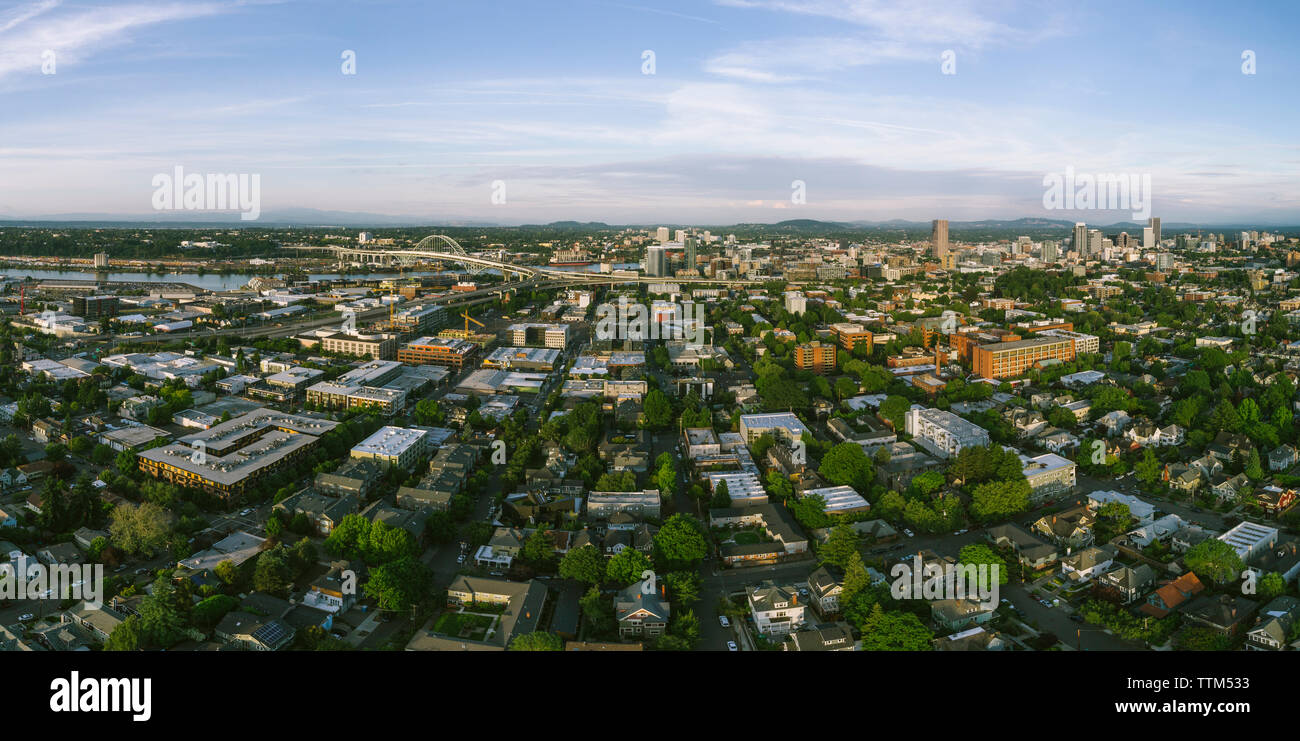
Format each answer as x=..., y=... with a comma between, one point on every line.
x=641, y=112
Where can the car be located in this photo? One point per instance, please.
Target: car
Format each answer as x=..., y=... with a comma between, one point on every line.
x=963, y=531
x=723, y=621
x=909, y=533
x=245, y=512
x=1077, y=618
x=25, y=617
x=140, y=571
x=731, y=646
x=460, y=558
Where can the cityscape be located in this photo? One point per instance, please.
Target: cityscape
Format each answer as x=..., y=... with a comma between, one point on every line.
x=698, y=329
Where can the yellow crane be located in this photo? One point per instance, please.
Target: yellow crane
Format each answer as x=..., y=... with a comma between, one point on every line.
x=469, y=319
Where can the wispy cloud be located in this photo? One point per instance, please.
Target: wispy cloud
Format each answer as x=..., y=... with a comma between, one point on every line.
x=76, y=33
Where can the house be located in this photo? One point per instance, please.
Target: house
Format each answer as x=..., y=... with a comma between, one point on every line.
x=336, y=590
x=1225, y=613
x=832, y=637
x=1282, y=457
x=1172, y=594
x=1114, y=423
x=1227, y=445
x=1071, y=528
x=1147, y=434
x=640, y=614
x=254, y=632
x=1139, y=509
x=972, y=639
x=1089, y=562
x=1274, y=499
x=775, y=608
x=825, y=590
x=1130, y=583
x=1031, y=550
x=1225, y=489
x=956, y=614
x=1274, y=624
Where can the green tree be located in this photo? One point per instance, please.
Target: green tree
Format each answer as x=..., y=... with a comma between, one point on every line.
x=847, y=464
x=626, y=567
x=1213, y=559
x=894, y=631
x=978, y=553
x=840, y=546
x=400, y=584
x=680, y=544
x=584, y=564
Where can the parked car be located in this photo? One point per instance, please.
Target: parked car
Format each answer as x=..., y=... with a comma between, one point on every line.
x=723, y=621
x=460, y=558
x=909, y=533
x=25, y=617
x=731, y=646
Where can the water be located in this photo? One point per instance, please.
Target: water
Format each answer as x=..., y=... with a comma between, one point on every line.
x=232, y=281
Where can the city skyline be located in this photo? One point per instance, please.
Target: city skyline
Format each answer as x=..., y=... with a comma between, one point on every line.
x=747, y=98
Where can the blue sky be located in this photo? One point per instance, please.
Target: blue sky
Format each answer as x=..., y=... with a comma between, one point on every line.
x=747, y=96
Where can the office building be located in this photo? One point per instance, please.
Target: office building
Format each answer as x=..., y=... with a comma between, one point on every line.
x=1148, y=238
x=656, y=261
x=939, y=237
x=1154, y=223
x=101, y=260
x=94, y=307
x=451, y=353
x=539, y=335
x=661, y=234
x=1011, y=359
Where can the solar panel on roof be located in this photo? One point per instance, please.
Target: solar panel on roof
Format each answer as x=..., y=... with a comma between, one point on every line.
x=271, y=633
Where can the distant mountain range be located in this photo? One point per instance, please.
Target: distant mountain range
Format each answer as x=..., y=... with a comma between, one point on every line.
x=315, y=218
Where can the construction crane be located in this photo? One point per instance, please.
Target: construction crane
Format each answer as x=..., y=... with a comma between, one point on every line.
x=469, y=319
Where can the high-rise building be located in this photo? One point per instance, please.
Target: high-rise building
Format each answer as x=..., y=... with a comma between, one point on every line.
x=1079, y=242
x=1154, y=223
x=1095, y=245
x=939, y=237
x=94, y=307
x=656, y=261
x=101, y=260
x=662, y=234
x=690, y=253
x=1051, y=253
x=1148, y=238
x=815, y=356
x=1164, y=262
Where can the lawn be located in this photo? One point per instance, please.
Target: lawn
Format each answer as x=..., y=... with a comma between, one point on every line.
x=463, y=625
x=746, y=538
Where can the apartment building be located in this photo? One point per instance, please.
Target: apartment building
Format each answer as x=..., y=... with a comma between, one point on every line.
x=816, y=357
x=1083, y=343
x=943, y=433
x=849, y=335
x=393, y=446
x=227, y=458
x=1011, y=359
x=781, y=425
x=376, y=346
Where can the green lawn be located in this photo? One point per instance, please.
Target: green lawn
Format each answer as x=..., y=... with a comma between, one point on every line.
x=462, y=625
